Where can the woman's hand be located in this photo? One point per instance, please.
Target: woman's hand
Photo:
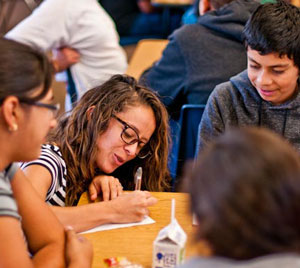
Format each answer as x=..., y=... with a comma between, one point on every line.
x=64, y=57
x=79, y=251
x=110, y=187
x=131, y=207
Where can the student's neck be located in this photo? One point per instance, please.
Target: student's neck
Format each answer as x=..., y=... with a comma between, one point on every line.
x=4, y=162
x=6, y=153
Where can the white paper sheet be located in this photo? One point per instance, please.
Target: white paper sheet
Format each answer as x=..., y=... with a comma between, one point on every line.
x=105, y=227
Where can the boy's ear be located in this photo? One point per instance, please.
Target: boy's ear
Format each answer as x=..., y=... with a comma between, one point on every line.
x=10, y=109
x=89, y=112
x=205, y=6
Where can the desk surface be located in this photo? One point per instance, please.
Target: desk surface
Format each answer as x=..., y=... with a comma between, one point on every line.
x=146, y=53
x=135, y=243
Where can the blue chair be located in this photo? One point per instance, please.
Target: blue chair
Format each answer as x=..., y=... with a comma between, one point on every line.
x=184, y=137
x=134, y=39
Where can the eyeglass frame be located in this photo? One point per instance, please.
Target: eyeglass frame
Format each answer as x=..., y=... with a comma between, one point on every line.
x=53, y=107
x=126, y=126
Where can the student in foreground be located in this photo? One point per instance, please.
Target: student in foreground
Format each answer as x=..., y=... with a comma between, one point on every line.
x=30, y=234
x=267, y=93
x=245, y=192
x=118, y=125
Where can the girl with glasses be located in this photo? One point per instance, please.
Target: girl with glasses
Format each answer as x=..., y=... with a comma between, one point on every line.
x=30, y=235
x=114, y=129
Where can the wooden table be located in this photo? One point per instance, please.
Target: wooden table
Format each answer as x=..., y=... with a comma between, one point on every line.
x=296, y=2
x=135, y=243
x=146, y=53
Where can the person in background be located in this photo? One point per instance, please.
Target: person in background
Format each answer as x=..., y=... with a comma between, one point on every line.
x=26, y=223
x=82, y=34
x=140, y=18
x=245, y=193
x=119, y=125
x=200, y=56
x=267, y=93
x=192, y=14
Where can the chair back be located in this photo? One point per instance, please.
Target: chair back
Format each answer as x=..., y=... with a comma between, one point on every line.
x=184, y=137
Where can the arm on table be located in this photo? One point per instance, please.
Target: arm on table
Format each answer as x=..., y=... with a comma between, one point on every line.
x=125, y=208
x=44, y=234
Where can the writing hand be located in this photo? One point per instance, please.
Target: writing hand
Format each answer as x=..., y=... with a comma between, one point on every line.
x=131, y=207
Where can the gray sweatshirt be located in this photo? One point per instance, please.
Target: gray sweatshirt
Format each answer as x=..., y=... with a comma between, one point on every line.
x=237, y=103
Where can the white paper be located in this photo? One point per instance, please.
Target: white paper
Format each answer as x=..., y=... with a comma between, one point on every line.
x=111, y=226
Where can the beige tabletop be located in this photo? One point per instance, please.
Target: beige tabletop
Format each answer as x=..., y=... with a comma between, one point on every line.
x=146, y=53
x=296, y=2
x=135, y=243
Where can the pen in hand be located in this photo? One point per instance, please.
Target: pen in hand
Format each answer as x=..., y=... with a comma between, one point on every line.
x=138, y=179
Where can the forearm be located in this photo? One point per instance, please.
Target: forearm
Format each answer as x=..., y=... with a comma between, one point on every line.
x=50, y=256
x=45, y=235
x=85, y=217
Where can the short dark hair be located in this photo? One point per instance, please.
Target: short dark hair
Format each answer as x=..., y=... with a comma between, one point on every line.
x=274, y=27
x=245, y=192
x=22, y=70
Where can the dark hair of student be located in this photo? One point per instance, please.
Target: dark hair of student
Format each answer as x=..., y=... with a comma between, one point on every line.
x=76, y=135
x=274, y=27
x=245, y=191
x=22, y=70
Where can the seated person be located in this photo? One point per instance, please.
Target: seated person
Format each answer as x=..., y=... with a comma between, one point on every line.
x=245, y=193
x=201, y=55
x=83, y=26
x=115, y=123
x=140, y=18
x=191, y=15
x=267, y=93
x=26, y=223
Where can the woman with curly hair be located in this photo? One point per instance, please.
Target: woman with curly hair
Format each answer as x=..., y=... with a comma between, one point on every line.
x=114, y=129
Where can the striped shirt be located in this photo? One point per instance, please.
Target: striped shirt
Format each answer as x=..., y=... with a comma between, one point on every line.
x=8, y=205
x=51, y=158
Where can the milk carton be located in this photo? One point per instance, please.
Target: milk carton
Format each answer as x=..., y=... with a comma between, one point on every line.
x=169, y=245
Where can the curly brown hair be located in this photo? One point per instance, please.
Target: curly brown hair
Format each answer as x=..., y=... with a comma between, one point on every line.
x=76, y=134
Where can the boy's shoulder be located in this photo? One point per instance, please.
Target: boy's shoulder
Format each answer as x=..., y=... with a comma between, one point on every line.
x=237, y=90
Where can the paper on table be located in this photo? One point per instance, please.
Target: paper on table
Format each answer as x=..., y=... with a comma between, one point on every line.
x=105, y=227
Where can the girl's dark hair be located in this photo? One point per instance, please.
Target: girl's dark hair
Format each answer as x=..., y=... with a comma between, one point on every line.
x=76, y=135
x=245, y=191
x=22, y=70
x=274, y=28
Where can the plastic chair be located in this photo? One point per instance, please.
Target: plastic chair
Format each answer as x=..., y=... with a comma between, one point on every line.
x=134, y=39
x=184, y=137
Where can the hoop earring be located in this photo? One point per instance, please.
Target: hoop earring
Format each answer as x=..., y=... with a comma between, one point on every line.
x=13, y=128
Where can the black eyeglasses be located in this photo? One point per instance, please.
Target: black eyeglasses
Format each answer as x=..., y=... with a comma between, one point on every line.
x=130, y=136
x=53, y=107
